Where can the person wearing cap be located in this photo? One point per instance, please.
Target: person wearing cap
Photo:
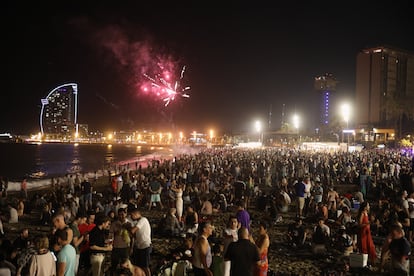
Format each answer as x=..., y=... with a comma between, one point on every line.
x=141, y=231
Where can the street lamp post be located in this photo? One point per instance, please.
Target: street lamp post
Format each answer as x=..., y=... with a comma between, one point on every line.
x=296, y=123
x=211, y=135
x=258, y=127
x=346, y=113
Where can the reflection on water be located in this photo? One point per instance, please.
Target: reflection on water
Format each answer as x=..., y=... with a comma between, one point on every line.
x=49, y=160
x=75, y=163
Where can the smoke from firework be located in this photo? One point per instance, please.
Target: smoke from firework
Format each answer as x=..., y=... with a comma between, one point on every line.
x=151, y=72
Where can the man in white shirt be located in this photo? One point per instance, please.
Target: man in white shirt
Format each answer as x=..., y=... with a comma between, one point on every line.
x=141, y=230
x=308, y=187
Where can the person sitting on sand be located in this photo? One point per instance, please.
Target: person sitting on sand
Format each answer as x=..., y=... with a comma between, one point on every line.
x=191, y=220
x=172, y=226
x=128, y=269
x=296, y=233
x=320, y=237
x=206, y=207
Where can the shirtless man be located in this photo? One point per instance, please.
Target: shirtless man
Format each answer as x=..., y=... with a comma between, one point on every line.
x=202, y=251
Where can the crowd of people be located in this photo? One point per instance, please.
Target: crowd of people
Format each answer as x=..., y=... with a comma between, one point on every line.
x=105, y=231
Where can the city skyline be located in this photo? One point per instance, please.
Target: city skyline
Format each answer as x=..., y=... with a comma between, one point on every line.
x=241, y=63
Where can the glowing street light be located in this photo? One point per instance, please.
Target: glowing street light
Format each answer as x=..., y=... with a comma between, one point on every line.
x=211, y=134
x=296, y=123
x=181, y=135
x=346, y=113
x=295, y=120
x=258, y=128
x=195, y=136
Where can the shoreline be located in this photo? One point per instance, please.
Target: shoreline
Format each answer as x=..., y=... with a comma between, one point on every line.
x=129, y=164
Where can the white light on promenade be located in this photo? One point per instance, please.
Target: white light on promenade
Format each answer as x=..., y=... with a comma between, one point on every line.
x=296, y=121
x=346, y=113
x=211, y=134
x=258, y=128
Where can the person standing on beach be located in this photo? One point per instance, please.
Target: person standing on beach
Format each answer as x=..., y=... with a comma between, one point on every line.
x=202, y=257
x=178, y=189
x=230, y=235
x=60, y=224
x=262, y=243
x=122, y=240
x=86, y=188
x=98, y=246
x=155, y=191
x=66, y=259
x=77, y=237
x=23, y=188
x=365, y=243
x=141, y=253
x=42, y=262
x=243, y=254
x=243, y=217
x=300, y=194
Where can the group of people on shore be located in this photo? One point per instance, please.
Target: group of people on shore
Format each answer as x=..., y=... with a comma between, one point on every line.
x=191, y=190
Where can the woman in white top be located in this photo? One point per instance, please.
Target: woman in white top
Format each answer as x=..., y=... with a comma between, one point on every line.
x=178, y=188
x=43, y=262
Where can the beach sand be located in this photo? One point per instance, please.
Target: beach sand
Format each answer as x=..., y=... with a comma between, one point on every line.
x=283, y=259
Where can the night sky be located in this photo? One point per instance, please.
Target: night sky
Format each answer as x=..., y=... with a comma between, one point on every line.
x=241, y=61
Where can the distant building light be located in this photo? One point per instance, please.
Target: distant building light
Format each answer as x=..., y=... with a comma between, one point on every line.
x=348, y=131
x=377, y=51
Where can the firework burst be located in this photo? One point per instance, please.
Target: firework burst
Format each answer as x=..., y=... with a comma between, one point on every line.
x=164, y=86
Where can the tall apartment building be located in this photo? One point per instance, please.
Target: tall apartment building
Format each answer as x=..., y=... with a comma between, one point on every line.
x=384, y=88
x=58, y=116
x=325, y=86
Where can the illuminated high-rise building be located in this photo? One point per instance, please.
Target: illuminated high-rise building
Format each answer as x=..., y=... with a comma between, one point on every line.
x=325, y=85
x=384, y=88
x=58, y=116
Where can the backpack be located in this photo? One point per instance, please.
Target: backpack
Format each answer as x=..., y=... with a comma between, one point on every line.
x=346, y=241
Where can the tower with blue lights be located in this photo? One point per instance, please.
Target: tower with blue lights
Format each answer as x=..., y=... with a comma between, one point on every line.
x=325, y=85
